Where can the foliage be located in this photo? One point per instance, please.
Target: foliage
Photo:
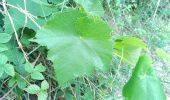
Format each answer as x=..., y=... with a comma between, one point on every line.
x=83, y=49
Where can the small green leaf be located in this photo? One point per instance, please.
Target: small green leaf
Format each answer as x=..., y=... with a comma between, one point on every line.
x=17, y=79
x=144, y=85
x=39, y=68
x=3, y=59
x=37, y=75
x=9, y=69
x=129, y=48
x=29, y=67
x=11, y=82
x=42, y=95
x=4, y=37
x=21, y=83
x=33, y=89
x=44, y=85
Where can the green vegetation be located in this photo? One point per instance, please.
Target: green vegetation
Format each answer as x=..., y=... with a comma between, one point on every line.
x=84, y=49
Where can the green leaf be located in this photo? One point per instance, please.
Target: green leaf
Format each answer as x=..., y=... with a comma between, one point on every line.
x=33, y=89
x=9, y=69
x=93, y=7
x=21, y=83
x=3, y=59
x=12, y=81
x=29, y=67
x=77, y=46
x=44, y=85
x=37, y=75
x=17, y=79
x=4, y=37
x=39, y=68
x=162, y=54
x=144, y=85
x=42, y=95
x=12, y=53
x=129, y=48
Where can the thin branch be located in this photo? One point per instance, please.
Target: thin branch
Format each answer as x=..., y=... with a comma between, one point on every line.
x=13, y=26
x=158, y=3
x=2, y=98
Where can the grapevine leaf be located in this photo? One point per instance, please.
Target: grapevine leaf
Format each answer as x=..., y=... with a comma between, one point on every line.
x=19, y=21
x=42, y=9
x=77, y=44
x=93, y=7
x=19, y=18
x=144, y=85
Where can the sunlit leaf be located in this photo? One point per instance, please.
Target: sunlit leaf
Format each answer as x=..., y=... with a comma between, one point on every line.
x=77, y=44
x=33, y=89
x=129, y=48
x=44, y=85
x=144, y=85
x=37, y=75
x=9, y=69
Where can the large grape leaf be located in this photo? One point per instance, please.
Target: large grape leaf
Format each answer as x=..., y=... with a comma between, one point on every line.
x=129, y=48
x=77, y=44
x=93, y=7
x=144, y=85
